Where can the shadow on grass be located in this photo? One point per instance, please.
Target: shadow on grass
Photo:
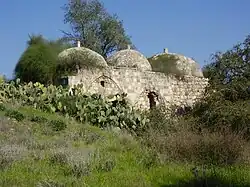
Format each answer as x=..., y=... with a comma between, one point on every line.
x=206, y=182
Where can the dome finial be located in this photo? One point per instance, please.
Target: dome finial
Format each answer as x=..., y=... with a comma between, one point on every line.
x=129, y=47
x=165, y=50
x=78, y=43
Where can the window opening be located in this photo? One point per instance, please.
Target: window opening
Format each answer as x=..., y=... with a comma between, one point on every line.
x=102, y=83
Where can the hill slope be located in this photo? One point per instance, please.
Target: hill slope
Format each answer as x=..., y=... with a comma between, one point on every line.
x=41, y=149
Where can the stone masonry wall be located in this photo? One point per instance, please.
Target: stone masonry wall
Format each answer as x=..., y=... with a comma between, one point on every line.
x=138, y=84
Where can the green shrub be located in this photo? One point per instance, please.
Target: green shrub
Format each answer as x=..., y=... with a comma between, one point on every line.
x=58, y=125
x=15, y=115
x=37, y=64
x=2, y=107
x=184, y=139
x=216, y=148
x=38, y=119
x=216, y=113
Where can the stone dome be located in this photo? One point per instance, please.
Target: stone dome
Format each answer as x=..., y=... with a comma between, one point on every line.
x=81, y=57
x=175, y=63
x=131, y=59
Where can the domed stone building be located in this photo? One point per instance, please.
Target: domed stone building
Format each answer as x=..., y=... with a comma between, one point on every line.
x=129, y=58
x=128, y=71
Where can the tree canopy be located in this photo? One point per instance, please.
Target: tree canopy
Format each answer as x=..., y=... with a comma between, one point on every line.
x=231, y=66
x=227, y=101
x=38, y=62
x=230, y=71
x=94, y=27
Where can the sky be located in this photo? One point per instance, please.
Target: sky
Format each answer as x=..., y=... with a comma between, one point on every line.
x=194, y=28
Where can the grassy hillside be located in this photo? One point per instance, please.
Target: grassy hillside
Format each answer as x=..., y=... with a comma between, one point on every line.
x=35, y=153
x=50, y=138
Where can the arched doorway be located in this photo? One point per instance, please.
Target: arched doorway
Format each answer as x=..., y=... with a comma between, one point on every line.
x=104, y=85
x=153, y=99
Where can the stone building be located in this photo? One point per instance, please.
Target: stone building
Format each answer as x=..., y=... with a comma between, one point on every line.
x=129, y=72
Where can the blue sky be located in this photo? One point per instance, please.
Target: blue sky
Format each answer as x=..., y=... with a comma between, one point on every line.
x=195, y=28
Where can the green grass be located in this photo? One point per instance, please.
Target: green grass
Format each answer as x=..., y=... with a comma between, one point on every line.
x=33, y=154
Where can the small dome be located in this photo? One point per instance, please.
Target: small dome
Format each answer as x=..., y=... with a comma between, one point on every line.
x=175, y=63
x=81, y=56
x=131, y=59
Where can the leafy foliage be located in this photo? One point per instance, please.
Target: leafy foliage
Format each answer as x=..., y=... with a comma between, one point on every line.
x=92, y=109
x=15, y=115
x=36, y=64
x=38, y=119
x=227, y=102
x=95, y=27
x=2, y=107
x=58, y=125
x=231, y=67
x=187, y=139
x=39, y=61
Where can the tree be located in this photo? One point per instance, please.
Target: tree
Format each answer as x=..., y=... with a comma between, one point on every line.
x=38, y=62
x=230, y=67
x=35, y=39
x=94, y=27
x=229, y=72
x=227, y=101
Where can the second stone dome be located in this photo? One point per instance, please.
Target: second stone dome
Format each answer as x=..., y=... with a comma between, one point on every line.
x=129, y=58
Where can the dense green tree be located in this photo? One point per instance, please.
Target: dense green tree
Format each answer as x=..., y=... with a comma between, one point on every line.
x=94, y=27
x=227, y=101
x=38, y=62
x=35, y=39
x=229, y=72
x=230, y=67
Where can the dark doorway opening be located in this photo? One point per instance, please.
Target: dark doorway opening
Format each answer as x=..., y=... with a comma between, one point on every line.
x=152, y=96
x=102, y=83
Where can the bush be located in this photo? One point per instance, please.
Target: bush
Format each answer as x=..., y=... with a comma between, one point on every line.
x=37, y=64
x=15, y=115
x=216, y=148
x=2, y=107
x=38, y=119
x=178, y=139
x=58, y=125
x=216, y=113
